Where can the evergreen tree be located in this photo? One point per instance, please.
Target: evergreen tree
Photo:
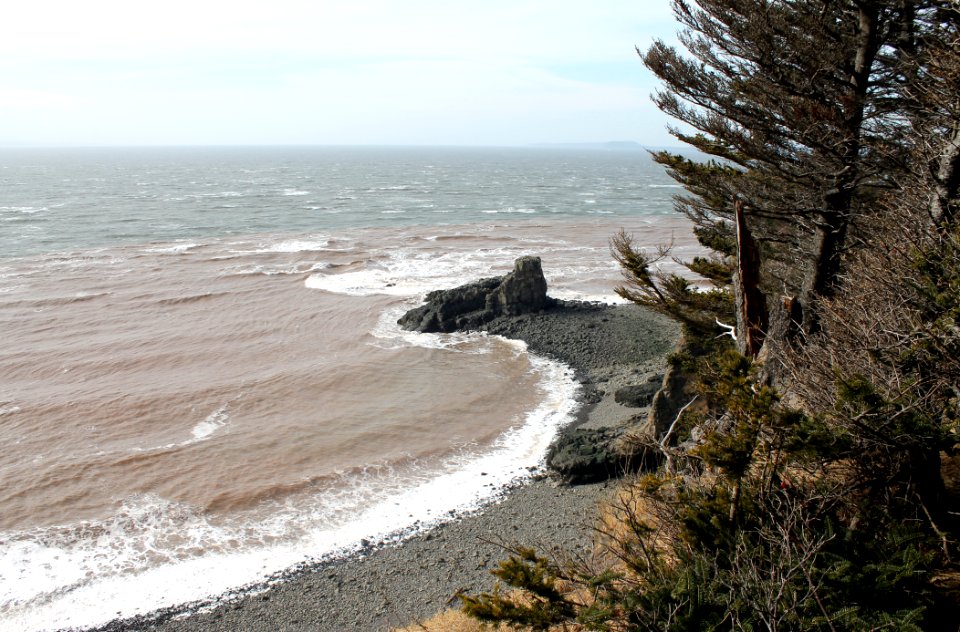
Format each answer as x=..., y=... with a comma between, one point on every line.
x=803, y=106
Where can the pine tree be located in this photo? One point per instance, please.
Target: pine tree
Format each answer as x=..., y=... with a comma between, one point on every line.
x=804, y=108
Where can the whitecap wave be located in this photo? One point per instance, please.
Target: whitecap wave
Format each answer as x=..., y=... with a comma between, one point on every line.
x=413, y=273
x=214, y=422
x=218, y=194
x=202, y=431
x=276, y=269
x=300, y=245
x=173, y=249
x=28, y=210
x=510, y=210
x=365, y=283
x=389, y=335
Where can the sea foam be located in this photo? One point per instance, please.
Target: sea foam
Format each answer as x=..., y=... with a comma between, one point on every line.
x=299, y=245
x=409, y=272
x=214, y=422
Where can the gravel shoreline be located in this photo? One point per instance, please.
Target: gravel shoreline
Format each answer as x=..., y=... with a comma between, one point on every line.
x=393, y=586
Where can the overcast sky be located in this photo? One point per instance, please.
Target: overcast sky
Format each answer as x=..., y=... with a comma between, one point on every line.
x=411, y=72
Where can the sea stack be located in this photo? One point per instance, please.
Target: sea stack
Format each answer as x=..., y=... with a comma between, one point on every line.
x=470, y=306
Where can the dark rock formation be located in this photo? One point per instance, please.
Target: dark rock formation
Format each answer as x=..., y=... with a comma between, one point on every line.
x=589, y=455
x=470, y=306
x=668, y=401
x=638, y=395
x=522, y=291
x=586, y=455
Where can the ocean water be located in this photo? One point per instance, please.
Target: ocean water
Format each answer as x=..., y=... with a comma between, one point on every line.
x=201, y=379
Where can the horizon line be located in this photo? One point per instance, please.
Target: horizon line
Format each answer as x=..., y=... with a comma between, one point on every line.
x=621, y=145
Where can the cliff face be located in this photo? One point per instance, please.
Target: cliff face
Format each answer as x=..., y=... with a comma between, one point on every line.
x=472, y=305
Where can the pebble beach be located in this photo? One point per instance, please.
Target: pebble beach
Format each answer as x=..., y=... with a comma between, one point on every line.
x=389, y=585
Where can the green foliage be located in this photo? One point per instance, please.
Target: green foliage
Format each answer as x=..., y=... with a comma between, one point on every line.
x=813, y=440
x=718, y=237
x=716, y=270
x=833, y=517
x=527, y=571
x=751, y=544
x=880, y=573
x=707, y=202
x=704, y=518
x=823, y=519
x=751, y=421
x=933, y=356
x=697, y=309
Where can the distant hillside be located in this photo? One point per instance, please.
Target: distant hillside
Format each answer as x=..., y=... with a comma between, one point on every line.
x=628, y=145
x=620, y=145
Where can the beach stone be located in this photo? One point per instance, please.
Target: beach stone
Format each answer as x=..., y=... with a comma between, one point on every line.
x=522, y=291
x=638, y=395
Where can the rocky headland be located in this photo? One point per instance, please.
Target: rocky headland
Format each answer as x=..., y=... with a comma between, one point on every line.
x=617, y=356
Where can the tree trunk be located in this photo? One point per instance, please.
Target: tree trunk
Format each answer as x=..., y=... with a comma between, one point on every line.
x=830, y=235
x=751, y=305
x=829, y=240
x=946, y=183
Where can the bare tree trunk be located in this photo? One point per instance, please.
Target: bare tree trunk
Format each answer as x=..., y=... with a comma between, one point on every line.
x=751, y=306
x=946, y=182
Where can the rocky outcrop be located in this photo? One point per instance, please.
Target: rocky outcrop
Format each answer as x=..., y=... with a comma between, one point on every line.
x=522, y=291
x=470, y=306
x=586, y=455
x=638, y=395
x=589, y=455
x=669, y=401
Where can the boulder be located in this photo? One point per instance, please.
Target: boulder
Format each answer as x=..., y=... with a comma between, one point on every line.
x=522, y=291
x=586, y=455
x=638, y=395
x=470, y=306
x=589, y=455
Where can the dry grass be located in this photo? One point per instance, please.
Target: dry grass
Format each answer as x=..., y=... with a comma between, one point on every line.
x=453, y=621
x=457, y=621
x=620, y=517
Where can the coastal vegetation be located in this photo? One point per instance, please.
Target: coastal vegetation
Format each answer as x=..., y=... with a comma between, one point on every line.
x=806, y=483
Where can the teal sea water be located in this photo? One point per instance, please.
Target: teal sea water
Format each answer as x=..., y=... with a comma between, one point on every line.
x=60, y=200
x=201, y=378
